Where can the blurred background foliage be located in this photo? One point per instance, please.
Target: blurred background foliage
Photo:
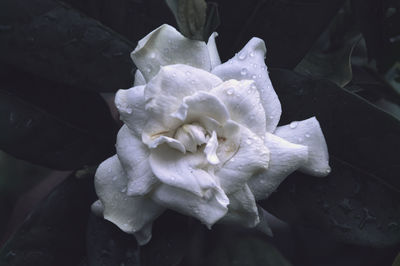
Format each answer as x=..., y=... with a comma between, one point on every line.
x=337, y=59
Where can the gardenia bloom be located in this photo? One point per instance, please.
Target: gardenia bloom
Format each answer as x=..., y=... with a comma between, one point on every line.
x=201, y=137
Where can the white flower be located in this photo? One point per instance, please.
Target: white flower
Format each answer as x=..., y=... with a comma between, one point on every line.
x=201, y=137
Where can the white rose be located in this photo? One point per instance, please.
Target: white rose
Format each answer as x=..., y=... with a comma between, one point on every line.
x=201, y=137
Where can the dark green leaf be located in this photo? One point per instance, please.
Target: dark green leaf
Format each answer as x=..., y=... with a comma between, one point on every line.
x=212, y=20
x=107, y=245
x=54, y=41
x=289, y=28
x=171, y=238
x=54, y=233
x=231, y=247
x=52, y=125
x=358, y=201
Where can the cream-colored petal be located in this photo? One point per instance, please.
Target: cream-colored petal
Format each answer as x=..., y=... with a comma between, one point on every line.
x=285, y=157
x=201, y=104
x=131, y=107
x=249, y=64
x=211, y=149
x=134, y=158
x=251, y=157
x=242, y=100
x=164, y=95
x=139, y=79
x=208, y=208
x=213, y=51
x=130, y=214
x=166, y=46
x=184, y=171
x=308, y=133
x=242, y=208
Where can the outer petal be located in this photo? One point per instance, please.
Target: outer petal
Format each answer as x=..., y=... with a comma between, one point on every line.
x=184, y=171
x=130, y=214
x=242, y=100
x=139, y=79
x=308, y=132
x=166, y=46
x=165, y=93
x=134, y=158
x=212, y=49
x=251, y=157
x=208, y=209
x=285, y=157
x=242, y=208
x=131, y=107
x=249, y=64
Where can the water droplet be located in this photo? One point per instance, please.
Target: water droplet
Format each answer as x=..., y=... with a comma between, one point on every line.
x=152, y=55
x=123, y=190
x=251, y=54
x=229, y=91
x=243, y=71
x=307, y=135
x=299, y=139
x=259, y=76
x=271, y=117
x=328, y=170
x=242, y=55
x=262, y=181
x=148, y=69
x=192, y=82
x=248, y=141
x=293, y=124
x=263, y=68
x=253, y=76
x=249, y=91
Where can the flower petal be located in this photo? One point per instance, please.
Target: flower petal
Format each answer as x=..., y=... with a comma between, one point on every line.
x=130, y=104
x=211, y=149
x=308, y=132
x=130, y=214
x=199, y=105
x=242, y=100
x=139, y=79
x=249, y=64
x=166, y=46
x=285, y=157
x=134, y=156
x=165, y=93
x=184, y=171
x=251, y=157
x=213, y=51
x=242, y=208
x=208, y=209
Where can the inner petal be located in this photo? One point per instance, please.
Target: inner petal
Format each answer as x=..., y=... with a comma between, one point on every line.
x=211, y=149
x=191, y=136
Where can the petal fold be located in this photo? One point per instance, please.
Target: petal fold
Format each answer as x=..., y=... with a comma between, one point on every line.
x=285, y=157
x=166, y=46
x=164, y=95
x=251, y=157
x=308, y=132
x=242, y=208
x=130, y=214
x=131, y=107
x=184, y=171
x=208, y=209
x=134, y=158
x=242, y=100
x=249, y=64
x=213, y=51
x=139, y=79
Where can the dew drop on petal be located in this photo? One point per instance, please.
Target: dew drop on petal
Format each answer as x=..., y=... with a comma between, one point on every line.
x=251, y=54
x=229, y=91
x=152, y=55
x=123, y=190
x=243, y=71
x=271, y=117
x=242, y=55
x=254, y=77
x=307, y=135
x=299, y=139
x=293, y=124
x=248, y=141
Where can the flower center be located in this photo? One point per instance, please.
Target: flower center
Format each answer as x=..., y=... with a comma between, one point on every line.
x=193, y=136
